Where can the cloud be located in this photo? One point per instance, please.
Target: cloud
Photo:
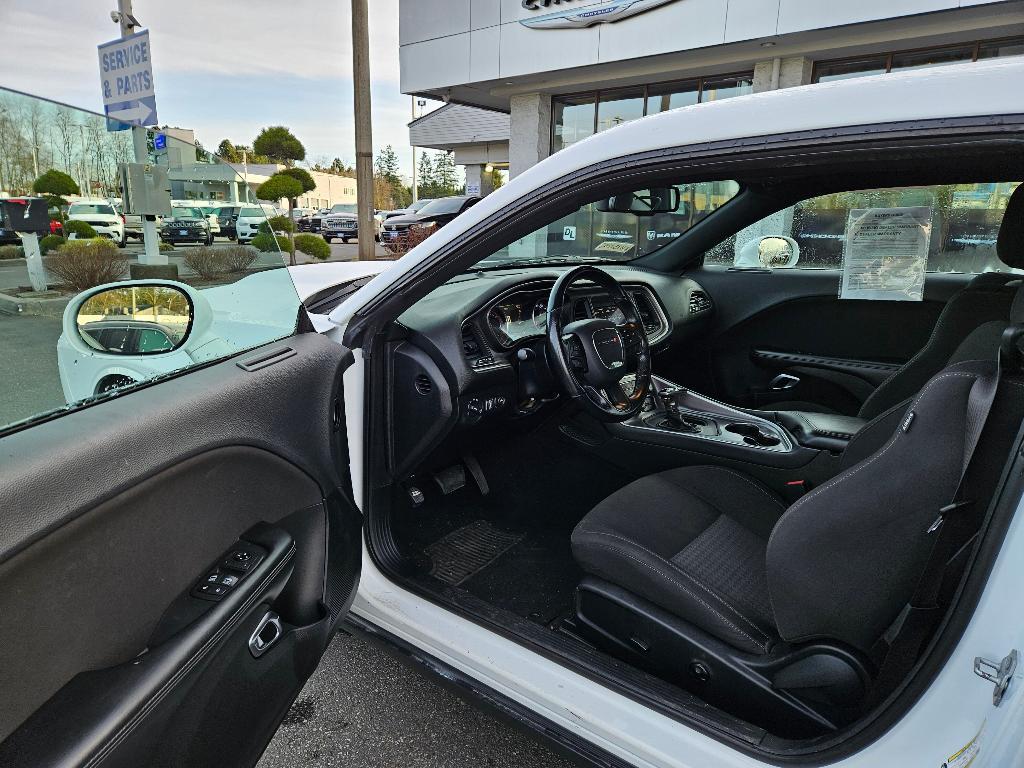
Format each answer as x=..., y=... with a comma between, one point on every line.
x=224, y=69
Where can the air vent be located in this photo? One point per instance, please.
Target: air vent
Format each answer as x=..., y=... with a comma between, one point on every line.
x=699, y=302
x=423, y=384
x=650, y=319
x=579, y=310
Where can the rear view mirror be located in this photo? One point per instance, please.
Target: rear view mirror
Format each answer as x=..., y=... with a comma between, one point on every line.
x=645, y=202
x=135, y=320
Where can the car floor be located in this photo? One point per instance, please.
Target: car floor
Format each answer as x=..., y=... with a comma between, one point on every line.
x=511, y=547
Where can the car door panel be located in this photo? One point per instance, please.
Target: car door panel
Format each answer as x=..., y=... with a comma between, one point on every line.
x=115, y=512
x=792, y=321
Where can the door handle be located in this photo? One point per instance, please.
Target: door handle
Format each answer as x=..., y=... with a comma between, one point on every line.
x=783, y=382
x=268, y=632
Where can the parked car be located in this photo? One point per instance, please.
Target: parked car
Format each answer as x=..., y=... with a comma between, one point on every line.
x=102, y=217
x=186, y=224
x=345, y=225
x=430, y=217
x=227, y=218
x=248, y=221
x=662, y=501
x=413, y=208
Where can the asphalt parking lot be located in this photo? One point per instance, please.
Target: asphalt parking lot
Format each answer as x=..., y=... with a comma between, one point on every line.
x=28, y=375
x=364, y=708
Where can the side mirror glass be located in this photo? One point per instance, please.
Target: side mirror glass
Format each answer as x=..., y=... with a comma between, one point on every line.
x=772, y=252
x=647, y=202
x=135, y=320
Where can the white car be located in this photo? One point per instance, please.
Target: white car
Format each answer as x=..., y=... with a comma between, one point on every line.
x=659, y=495
x=250, y=217
x=102, y=216
x=230, y=311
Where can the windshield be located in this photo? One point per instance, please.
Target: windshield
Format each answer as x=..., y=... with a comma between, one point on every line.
x=601, y=232
x=443, y=206
x=344, y=208
x=187, y=213
x=418, y=205
x=80, y=208
x=250, y=213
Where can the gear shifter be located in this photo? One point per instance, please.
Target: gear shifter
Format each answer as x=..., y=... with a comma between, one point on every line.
x=674, y=418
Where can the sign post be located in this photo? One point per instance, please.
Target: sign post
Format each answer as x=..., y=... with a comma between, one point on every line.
x=129, y=98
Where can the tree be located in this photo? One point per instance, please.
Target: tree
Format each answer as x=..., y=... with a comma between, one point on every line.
x=389, y=192
x=497, y=180
x=280, y=145
x=387, y=166
x=446, y=175
x=302, y=176
x=281, y=185
x=54, y=185
x=426, y=176
x=227, y=152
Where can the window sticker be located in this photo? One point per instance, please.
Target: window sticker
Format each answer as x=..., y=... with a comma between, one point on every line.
x=885, y=253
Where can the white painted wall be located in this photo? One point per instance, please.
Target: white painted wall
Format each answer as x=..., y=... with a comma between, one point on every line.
x=448, y=43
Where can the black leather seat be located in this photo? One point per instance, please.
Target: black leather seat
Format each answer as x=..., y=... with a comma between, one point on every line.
x=986, y=299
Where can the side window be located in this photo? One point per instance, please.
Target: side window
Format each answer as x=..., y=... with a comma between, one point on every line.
x=88, y=202
x=965, y=221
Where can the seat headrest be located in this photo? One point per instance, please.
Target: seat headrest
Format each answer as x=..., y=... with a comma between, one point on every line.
x=1010, y=245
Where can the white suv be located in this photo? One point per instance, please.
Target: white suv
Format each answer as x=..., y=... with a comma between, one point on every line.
x=102, y=217
x=249, y=219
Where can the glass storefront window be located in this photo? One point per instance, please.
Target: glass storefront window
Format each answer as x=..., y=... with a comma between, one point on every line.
x=618, y=107
x=726, y=88
x=574, y=121
x=843, y=70
x=666, y=96
x=932, y=58
x=1002, y=48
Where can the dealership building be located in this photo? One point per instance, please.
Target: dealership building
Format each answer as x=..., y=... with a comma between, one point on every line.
x=525, y=78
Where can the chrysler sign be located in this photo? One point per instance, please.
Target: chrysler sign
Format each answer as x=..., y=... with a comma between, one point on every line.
x=588, y=16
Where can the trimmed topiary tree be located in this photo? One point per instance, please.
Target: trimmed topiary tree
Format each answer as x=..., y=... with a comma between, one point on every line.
x=281, y=185
x=266, y=243
x=79, y=229
x=50, y=243
x=314, y=246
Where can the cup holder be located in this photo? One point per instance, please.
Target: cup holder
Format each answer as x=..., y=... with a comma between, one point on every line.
x=753, y=435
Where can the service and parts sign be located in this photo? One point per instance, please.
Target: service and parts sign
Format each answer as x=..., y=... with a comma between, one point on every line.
x=579, y=14
x=126, y=79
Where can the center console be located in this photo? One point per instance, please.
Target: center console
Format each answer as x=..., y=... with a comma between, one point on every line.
x=676, y=417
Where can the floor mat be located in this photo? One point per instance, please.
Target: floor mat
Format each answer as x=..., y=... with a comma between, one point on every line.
x=468, y=550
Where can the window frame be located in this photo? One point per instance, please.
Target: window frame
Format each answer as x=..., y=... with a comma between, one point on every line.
x=594, y=97
x=890, y=55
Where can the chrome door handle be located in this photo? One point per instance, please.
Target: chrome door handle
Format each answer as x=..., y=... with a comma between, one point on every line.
x=268, y=632
x=783, y=382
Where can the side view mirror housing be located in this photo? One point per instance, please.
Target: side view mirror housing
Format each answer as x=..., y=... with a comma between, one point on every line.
x=642, y=202
x=134, y=319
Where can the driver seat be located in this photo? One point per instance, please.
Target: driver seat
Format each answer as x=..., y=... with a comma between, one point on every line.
x=703, y=575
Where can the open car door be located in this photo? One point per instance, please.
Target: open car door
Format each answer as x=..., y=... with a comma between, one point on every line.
x=177, y=538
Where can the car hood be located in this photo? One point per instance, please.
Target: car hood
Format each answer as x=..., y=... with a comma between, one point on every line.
x=413, y=218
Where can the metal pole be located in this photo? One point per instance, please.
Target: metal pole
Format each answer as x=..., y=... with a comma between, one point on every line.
x=364, y=128
x=415, y=192
x=140, y=145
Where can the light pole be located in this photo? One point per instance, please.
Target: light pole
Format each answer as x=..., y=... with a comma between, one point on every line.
x=364, y=129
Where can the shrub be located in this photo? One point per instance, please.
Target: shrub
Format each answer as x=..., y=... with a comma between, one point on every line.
x=11, y=252
x=408, y=241
x=166, y=246
x=238, y=258
x=79, y=229
x=83, y=264
x=314, y=246
x=277, y=224
x=269, y=244
x=205, y=262
x=50, y=243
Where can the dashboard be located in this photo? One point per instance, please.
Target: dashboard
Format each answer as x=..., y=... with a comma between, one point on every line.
x=473, y=350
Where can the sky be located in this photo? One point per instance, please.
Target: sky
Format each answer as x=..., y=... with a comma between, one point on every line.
x=226, y=69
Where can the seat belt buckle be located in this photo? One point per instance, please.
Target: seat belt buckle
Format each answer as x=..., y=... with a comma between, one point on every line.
x=796, y=488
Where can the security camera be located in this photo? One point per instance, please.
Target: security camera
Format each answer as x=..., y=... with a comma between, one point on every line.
x=115, y=16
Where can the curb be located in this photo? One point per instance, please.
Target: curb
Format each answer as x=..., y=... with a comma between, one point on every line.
x=13, y=305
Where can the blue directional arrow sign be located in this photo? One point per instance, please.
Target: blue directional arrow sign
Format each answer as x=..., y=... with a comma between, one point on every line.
x=126, y=77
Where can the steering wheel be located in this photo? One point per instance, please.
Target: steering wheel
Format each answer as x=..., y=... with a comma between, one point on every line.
x=591, y=357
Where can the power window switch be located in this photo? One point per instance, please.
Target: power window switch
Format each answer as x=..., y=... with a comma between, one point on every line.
x=228, y=580
x=214, y=591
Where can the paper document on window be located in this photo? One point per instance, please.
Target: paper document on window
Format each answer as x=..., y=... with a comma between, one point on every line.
x=885, y=253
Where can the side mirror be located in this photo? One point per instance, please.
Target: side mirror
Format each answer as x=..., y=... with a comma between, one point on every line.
x=771, y=252
x=643, y=202
x=134, y=320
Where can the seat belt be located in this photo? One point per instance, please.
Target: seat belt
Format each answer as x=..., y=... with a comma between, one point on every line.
x=921, y=613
